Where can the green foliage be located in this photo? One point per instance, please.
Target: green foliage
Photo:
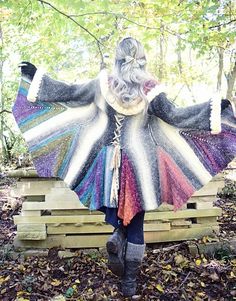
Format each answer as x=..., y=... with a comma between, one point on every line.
x=229, y=191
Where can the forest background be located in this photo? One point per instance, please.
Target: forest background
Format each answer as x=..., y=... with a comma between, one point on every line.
x=190, y=46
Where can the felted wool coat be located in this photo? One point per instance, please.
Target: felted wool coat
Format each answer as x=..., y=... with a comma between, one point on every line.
x=122, y=156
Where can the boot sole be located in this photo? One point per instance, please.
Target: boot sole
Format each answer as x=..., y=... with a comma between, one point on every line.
x=115, y=263
x=112, y=247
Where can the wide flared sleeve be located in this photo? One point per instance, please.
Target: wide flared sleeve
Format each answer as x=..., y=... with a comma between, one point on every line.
x=204, y=116
x=44, y=88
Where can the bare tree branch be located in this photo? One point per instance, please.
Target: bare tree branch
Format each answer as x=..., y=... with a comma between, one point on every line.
x=223, y=24
x=77, y=23
x=121, y=16
x=5, y=111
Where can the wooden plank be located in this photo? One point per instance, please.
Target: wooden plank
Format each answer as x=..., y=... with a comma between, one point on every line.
x=22, y=172
x=87, y=228
x=83, y=229
x=31, y=232
x=48, y=219
x=31, y=227
x=204, y=225
x=156, y=227
x=95, y=241
x=34, y=187
x=180, y=223
x=31, y=213
x=61, y=184
x=53, y=205
x=189, y=213
x=69, y=212
x=74, y=241
x=180, y=234
x=35, y=198
x=206, y=220
x=31, y=235
x=212, y=188
x=64, y=196
x=169, y=207
x=14, y=192
x=204, y=205
x=201, y=198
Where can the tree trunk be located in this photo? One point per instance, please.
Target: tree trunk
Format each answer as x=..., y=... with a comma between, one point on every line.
x=231, y=77
x=161, y=55
x=2, y=142
x=179, y=56
x=220, y=67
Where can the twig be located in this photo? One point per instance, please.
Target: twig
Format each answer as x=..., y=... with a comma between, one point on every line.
x=185, y=279
x=167, y=248
x=223, y=24
x=131, y=21
x=5, y=111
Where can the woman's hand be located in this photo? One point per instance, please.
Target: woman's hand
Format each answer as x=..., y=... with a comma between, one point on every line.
x=27, y=69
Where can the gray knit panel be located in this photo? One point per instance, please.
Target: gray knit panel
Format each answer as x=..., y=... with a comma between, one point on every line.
x=134, y=252
x=192, y=117
x=53, y=90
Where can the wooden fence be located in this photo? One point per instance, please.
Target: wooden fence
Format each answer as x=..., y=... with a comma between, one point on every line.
x=52, y=216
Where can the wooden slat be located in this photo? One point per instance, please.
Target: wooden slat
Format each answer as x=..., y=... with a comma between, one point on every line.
x=94, y=241
x=180, y=222
x=87, y=228
x=189, y=213
x=201, y=198
x=31, y=227
x=206, y=220
x=204, y=205
x=180, y=234
x=35, y=198
x=83, y=229
x=34, y=187
x=212, y=188
x=31, y=232
x=31, y=213
x=209, y=224
x=53, y=205
x=62, y=196
x=71, y=212
x=47, y=219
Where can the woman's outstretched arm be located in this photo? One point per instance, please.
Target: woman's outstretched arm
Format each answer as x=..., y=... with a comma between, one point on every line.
x=204, y=116
x=44, y=88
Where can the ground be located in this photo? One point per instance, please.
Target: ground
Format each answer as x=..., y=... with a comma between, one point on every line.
x=169, y=272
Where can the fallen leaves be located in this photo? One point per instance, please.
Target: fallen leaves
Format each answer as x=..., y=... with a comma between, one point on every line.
x=169, y=273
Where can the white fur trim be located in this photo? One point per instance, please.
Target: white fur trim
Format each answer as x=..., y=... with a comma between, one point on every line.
x=35, y=85
x=233, y=104
x=103, y=79
x=132, y=109
x=154, y=92
x=215, y=117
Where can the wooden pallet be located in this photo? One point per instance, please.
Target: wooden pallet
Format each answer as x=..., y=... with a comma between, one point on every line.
x=53, y=216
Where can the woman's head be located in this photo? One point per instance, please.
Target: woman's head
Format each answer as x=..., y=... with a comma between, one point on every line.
x=129, y=72
x=130, y=52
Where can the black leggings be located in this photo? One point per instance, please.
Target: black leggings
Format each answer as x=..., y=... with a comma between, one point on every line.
x=134, y=231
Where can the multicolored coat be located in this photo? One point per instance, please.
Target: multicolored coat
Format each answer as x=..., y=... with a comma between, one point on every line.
x=123, y=156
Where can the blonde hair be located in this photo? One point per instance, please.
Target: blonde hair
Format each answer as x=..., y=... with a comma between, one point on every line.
x=129, y=73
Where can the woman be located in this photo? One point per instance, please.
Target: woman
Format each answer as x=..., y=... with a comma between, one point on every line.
x=122, y=146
